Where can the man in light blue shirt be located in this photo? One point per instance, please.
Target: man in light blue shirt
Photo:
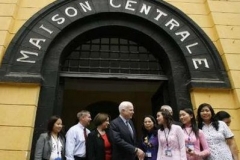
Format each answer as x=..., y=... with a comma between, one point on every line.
x=76, y=137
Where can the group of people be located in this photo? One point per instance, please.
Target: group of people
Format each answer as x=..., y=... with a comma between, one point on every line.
x=162, y=138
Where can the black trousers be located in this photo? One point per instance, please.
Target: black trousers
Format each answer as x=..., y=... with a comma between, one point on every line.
x=79, y=158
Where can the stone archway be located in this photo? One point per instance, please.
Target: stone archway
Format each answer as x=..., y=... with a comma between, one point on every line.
x=24, y=57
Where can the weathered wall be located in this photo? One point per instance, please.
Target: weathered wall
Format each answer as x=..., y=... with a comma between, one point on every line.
x=18, y=105
x=18, y=102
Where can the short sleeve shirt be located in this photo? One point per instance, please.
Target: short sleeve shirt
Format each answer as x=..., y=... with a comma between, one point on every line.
x=217, y=141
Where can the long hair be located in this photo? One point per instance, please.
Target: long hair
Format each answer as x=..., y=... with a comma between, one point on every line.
x=168, y=119
x=213, y=119
x=193, y=121
x=51, y=123
x=145, y=132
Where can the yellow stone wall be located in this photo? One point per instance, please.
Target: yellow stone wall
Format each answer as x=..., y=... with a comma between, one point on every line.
x=18, y=105
x=220, y=21
x=18, y=102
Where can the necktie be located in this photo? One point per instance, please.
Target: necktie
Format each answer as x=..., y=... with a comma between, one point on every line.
x=85, y=137
x=85, y=133
x=129, y=128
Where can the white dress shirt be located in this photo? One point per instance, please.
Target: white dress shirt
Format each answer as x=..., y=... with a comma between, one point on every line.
x=75, y=142
x=56, y=148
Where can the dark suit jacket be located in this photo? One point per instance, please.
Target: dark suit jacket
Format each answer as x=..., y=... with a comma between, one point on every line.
x=95, y=146
x=122, y=142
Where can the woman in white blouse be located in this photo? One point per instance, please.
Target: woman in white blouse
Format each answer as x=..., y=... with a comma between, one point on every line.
x=219, y=137
x=50, y=145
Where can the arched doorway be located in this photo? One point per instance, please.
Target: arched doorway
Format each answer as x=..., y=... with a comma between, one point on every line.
x=98, y=95
x=113, y=64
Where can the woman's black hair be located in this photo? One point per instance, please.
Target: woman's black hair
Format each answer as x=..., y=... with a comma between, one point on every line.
x=222, y=115
x=213, y=119
x=193, y=121
x=51, y=123
x=167, y=117
x=145, y=132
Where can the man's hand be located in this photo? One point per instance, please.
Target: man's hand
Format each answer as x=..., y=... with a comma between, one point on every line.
x=140, y=154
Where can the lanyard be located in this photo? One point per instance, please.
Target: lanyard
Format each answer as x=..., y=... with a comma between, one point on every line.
x=57, y=144
x=188, y=134
x=166, y=137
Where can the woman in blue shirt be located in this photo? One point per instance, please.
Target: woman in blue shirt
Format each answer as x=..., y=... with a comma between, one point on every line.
x=149, y=140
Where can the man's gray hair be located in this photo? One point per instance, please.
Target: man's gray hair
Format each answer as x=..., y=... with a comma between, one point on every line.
x=167, y=107
x=124, y=105
x=82, y=113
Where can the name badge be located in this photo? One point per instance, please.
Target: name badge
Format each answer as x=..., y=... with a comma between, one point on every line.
x=168, y=152
x=148, y=154
x=190, y=147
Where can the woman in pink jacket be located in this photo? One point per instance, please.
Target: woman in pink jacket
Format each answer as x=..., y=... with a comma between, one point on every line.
x=170, y=138
x=196, y=144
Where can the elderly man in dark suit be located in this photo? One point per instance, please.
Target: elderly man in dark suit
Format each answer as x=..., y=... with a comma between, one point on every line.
x=123, y=135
